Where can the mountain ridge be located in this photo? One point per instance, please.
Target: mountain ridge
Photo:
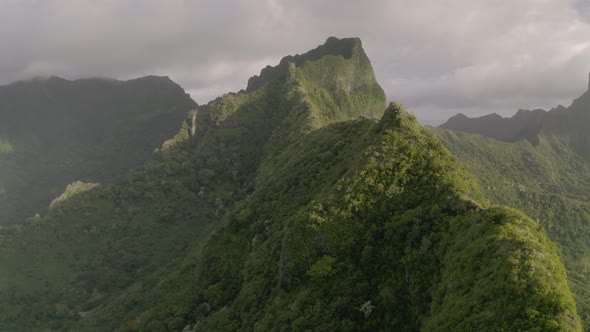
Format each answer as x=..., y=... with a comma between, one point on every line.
x=524, y=124
x=345, y=47
x=546, y=174
x=306, y=203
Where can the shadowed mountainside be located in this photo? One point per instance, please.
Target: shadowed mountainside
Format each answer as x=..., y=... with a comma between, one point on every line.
x=93, y=130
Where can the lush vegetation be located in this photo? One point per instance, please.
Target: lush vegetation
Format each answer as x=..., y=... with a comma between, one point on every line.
x=549, y=181
x=54, y=132
x=389, y=243
x=298, y=205
x=545, y=171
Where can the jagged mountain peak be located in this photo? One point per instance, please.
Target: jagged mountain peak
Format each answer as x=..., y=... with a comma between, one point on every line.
x=348, y=48
x=331, y=83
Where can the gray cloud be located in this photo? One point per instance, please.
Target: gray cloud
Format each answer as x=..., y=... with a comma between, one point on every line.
x=436, y=57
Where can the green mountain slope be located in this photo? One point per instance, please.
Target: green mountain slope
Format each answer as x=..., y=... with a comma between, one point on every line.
x=546, y=174
x=549, y=181
x=93, y=130
x=300, y=203
x=387, y=245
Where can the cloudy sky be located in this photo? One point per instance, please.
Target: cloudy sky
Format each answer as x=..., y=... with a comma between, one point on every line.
x=436, y=57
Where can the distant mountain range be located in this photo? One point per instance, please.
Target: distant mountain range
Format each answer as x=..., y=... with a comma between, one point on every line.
x=543, y=170
x=567, y=122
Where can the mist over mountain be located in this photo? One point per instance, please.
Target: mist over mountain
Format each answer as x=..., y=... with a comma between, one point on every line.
x=91, y=130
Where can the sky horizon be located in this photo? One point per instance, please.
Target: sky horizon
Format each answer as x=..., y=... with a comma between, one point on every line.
x=438, y=59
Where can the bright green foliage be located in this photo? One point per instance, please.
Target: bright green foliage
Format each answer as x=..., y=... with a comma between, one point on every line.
x=278, y=209
x=549, y=181
x=340, y=88
x=319, y=250
x=508, y=262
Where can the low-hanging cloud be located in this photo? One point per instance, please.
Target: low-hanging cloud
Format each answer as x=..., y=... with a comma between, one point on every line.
x=436, y=57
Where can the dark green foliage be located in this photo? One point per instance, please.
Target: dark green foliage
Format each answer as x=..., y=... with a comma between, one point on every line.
x=93, y=130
